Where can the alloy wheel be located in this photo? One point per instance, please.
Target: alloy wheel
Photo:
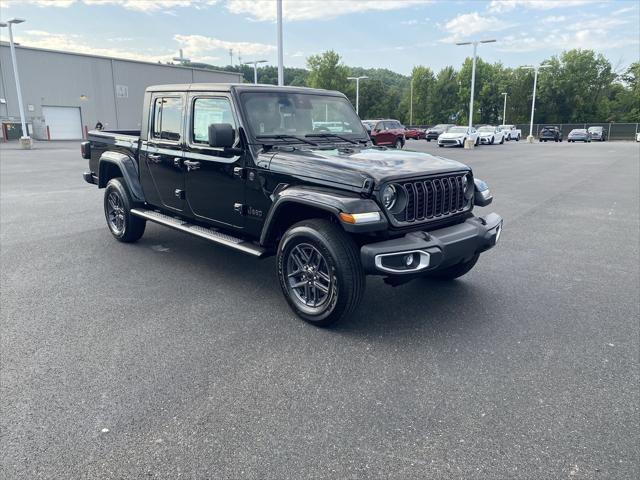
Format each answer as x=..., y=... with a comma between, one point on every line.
x=307, y=276
x=115, y=213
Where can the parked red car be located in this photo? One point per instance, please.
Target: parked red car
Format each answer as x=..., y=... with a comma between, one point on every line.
x=385, y=132
x=415, y=133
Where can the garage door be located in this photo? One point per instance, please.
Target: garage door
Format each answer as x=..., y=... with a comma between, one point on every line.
x=63, y=122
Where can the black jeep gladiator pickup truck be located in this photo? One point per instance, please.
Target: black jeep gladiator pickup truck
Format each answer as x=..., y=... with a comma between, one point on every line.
x=257, y=169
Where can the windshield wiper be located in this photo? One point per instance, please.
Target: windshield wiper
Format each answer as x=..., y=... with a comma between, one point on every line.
x=285, y=136
x=325, y=135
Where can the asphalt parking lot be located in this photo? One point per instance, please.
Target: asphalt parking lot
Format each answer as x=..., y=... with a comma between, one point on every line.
x=173, y=358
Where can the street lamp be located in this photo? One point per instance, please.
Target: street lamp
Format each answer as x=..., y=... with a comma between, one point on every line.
x=255, y=68
x=473, y=79
x=411, y=103
x=535, y=68
x=504, y=109
x=280, y=54
x=25, y=140
x=357, y=79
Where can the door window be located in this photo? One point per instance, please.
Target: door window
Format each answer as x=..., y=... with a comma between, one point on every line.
x=207, y=111
x=167, y=118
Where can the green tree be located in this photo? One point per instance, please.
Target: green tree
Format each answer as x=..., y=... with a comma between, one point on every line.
x=327, y=71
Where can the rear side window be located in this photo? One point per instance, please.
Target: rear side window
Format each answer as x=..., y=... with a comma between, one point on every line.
x=207, y=111
x=167, y=118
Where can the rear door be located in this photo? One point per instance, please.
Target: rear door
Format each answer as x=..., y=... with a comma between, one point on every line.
x=163, y=151
x=214, y=179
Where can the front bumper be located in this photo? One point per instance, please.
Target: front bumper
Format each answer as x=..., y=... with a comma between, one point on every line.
x=485, y=140
x=432, y=250
x=454, y=142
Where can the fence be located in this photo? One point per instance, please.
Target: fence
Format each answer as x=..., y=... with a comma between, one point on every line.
x=615, y=131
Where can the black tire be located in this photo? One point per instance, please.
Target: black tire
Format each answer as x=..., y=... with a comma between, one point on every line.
x=346, y=280
x=502, y=140
x=397, y=144
x=493, y=139
x=440, y=145
x=455, y=271
x=477, y=142
x=117, y=211
x=518, y=138
x=428, y=139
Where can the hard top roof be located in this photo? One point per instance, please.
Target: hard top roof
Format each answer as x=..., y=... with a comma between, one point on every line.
x=238, y=87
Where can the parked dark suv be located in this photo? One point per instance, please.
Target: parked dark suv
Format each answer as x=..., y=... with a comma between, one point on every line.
x=254, y=168
x=550, y=133
x=434, y=132
x=386, y=133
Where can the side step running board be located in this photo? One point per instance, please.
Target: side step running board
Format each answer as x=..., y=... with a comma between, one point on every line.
x=202, y=232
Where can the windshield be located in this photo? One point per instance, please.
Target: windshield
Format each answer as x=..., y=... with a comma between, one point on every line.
x=579, y=130
x=441, y=126
x=595, y=129
x=300, y=114
x=486, y=129
x=457, y=130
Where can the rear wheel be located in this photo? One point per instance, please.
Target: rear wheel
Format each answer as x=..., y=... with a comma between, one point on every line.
x=455, y=271
x=320, y=271
x=124, y=226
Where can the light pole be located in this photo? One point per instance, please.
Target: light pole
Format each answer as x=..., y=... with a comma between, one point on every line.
x=255, y=68
x=504, y=109
x=536, y=69
x=411, y=102
x=181, y=59
x=469, y=143
x=357, y=79
x=25, y=139
x=280, y=54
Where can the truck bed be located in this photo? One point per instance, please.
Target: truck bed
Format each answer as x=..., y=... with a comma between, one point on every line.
x=125, y=141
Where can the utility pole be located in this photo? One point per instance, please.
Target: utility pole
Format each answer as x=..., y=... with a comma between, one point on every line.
x=536, y=69
x=25, y=139
x=231, y=57
x=357, y=79
x=255, y=68
x=280, y=54
x=504, y=109
x=181, y=59
x=411, y=103
x=469, y=143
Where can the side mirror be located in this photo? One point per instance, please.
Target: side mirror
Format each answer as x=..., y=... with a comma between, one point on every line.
x=221, y=135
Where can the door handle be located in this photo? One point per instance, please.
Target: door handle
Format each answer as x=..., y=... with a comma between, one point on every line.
x=191, y=165
x=153, y=157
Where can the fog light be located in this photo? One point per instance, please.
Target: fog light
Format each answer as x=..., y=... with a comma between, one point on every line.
x=408, y=259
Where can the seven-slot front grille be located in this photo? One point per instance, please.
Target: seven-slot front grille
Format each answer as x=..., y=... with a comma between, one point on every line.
x=433, y=198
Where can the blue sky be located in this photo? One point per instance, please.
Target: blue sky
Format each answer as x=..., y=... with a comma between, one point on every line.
x=395, y=34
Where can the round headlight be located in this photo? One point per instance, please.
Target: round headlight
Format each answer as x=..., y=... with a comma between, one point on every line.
x=467, y=186
x=389, y=196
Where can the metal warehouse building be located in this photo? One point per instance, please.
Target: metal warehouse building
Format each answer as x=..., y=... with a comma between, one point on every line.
x=65, y=94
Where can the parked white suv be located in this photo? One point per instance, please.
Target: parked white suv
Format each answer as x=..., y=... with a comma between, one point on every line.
x=511, y=132
x=456, y=136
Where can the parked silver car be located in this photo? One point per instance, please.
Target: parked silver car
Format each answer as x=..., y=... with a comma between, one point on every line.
x=579, y=135
x=597, y=133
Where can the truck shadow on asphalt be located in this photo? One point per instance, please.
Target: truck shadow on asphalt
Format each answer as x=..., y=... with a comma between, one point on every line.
x=431, y=306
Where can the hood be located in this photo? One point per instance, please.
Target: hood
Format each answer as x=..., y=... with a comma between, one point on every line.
x=453, y=135
x=486, y=134
x=352, y=166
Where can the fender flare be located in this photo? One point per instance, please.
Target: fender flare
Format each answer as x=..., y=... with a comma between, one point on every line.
x=129, y=169
x=328, y=200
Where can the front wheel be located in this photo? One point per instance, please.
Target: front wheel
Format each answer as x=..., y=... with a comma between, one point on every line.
x=492, y=140
x=455, y=271
x=501, y=140
x=124, y=226
x=477, y=142
x=320, y=271
x=397, y=144
x=518, y=138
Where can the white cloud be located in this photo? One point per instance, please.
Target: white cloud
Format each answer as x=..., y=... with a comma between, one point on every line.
x=594, y=39
x=201, y=48
x=265, y=10
x=506, y=5
x=554, y=19
x=136, y=5
x=468, y=24
x=78, y=44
